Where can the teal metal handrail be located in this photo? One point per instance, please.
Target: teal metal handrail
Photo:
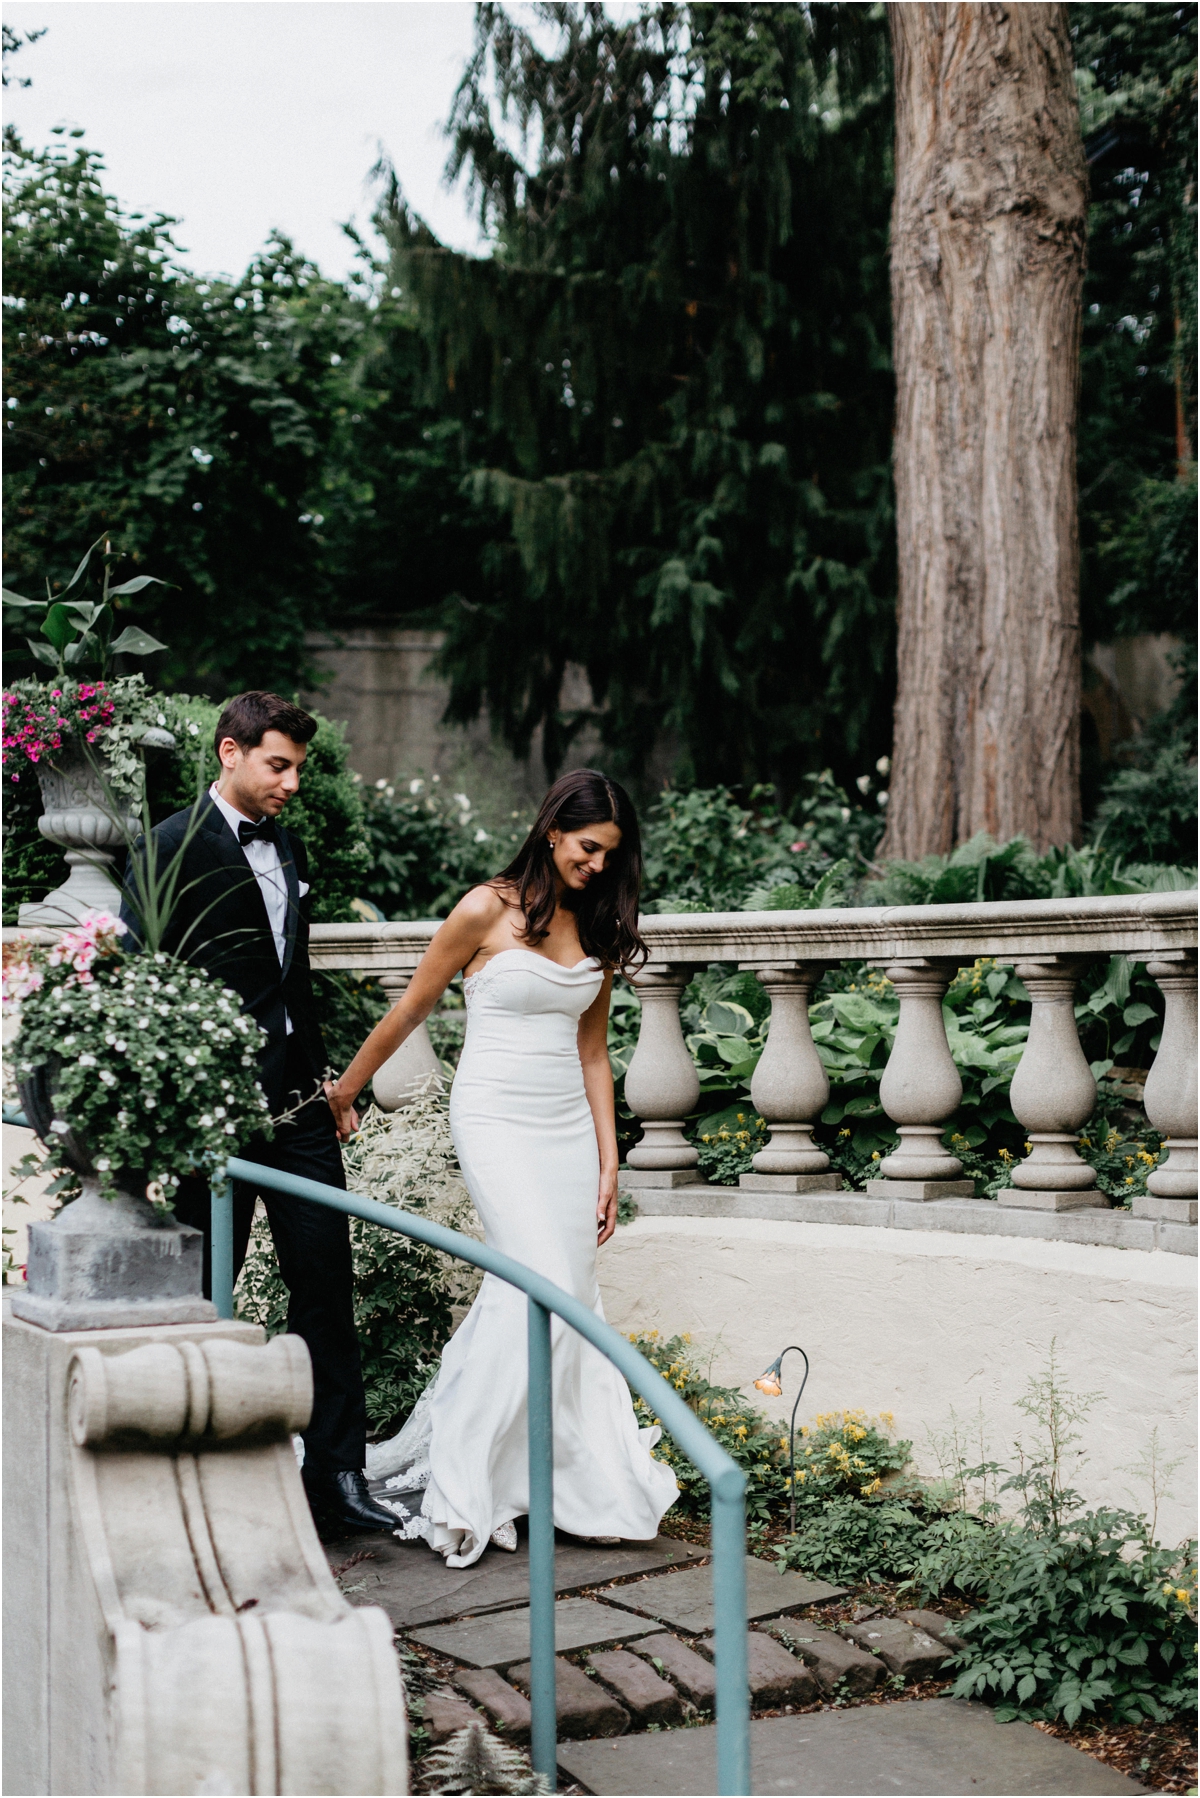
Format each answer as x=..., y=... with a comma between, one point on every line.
x=726, y=1481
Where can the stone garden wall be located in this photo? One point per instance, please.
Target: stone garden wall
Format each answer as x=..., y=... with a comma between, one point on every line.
x=920, y=1324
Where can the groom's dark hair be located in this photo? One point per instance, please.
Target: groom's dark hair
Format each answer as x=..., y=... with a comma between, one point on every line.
x=249, y=716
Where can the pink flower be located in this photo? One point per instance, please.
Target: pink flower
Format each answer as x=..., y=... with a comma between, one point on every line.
x=795, y=848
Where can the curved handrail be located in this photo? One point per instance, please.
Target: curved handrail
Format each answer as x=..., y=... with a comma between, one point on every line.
x=726, y=1481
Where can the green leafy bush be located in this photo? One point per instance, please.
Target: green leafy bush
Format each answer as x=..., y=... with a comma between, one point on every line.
x=706, y=852
x=423, y=853
x=1088, y=1616
x=754, y=1442
x=1147, y=813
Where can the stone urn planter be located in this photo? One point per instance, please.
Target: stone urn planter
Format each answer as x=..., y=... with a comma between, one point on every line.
x=79, y=815
x=104, y=1261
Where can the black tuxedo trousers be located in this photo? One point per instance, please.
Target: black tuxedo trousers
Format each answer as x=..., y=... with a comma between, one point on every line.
x=313, y=1247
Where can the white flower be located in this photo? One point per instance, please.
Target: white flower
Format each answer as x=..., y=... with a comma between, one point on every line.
x=218, y=1111
x=107, y=1079
x=120, y=1046
x=189, y=1061
x=881, y=798
x=884, y=765
x=87, y=1061
x=60, y=1128
x=162, y=718
x=122, y=1117
x=380, y=785
x=103, y=1164
x=206, y=1121
x=229, y=1130
x=414, y=786
x=193, y=730
x=845, y=814
x=863, y=783
x=149, y=1104
x=207, y=1024
x=481, y=836
x=462, y=802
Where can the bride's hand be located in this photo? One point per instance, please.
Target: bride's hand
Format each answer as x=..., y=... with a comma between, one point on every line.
x=345, y=1117
x=606, y=1208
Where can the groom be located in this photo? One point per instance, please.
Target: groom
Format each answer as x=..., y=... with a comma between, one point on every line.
x=243, y=912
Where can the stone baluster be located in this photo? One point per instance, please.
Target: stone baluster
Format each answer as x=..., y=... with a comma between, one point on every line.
x=661, y=1083
x=1053, y=1094
x=790, y=1089
x=920, y=1091
x=1170, y=1097
x=405, y=1074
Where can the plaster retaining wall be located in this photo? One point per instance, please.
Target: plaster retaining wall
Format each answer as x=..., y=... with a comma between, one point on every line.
x=921, y=1325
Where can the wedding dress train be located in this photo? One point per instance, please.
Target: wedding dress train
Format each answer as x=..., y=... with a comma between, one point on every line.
x=527, y=1147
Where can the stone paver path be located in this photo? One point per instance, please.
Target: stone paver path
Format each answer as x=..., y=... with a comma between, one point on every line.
x=502, y=1637
x=939, y=1746
x=415, y=1586
x=644, y=1676
x=686, y=1601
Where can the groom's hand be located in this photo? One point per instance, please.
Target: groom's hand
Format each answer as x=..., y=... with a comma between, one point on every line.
x=345, y=1117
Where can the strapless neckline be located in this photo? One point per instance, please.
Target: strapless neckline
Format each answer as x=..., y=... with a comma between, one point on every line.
x=547, y=961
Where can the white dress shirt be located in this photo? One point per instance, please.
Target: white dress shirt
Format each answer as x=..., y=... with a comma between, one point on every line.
x=267, y=868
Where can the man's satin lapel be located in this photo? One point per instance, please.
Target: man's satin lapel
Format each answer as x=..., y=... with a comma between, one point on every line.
x=287, y=856
x=217, y=837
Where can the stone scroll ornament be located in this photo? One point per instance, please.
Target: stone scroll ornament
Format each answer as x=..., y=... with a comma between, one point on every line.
x=236, y=1664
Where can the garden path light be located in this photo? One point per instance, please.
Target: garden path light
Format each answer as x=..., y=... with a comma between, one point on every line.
x=771, y=1382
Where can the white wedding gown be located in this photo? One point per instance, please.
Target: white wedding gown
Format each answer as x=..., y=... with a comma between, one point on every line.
x=527, y=1148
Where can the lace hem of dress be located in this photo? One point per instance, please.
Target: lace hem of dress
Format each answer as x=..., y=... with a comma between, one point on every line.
x=401, y=1464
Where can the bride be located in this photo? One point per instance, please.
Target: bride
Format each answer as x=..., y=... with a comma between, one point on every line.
x=531, y=1111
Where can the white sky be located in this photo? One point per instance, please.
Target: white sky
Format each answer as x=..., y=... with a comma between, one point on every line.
x=240, y=115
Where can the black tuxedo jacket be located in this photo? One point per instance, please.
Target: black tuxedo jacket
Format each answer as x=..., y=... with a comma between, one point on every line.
x=220, y=923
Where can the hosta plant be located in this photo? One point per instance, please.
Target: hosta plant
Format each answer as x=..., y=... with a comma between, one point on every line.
x=147, y=1063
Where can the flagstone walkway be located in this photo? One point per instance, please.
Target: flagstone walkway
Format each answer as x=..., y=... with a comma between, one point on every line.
x=648, y=1606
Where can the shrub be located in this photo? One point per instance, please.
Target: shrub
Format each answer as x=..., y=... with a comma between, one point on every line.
x=427, y=847
x=1148, y=813
x=707, y=852
x=1087, y=1615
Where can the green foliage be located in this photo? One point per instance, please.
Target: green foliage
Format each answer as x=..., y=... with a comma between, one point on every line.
x=78, y=623
x=426, y=848
x=677, y=412
x=1136, y=73
x=151, y=1063
x=753, y=1440
x=257, y=441
x=474, y=1760
x=1148, y=813
x=706, y=852
x=983, y=869
x=1077, y=1610
x=1087, y=1617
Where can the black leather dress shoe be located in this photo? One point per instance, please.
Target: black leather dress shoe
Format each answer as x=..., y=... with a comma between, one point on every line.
x=342, y=1499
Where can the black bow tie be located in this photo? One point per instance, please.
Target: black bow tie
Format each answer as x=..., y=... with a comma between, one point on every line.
x=262, y=832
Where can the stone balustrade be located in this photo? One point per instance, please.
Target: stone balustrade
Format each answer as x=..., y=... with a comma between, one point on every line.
x=919, y=948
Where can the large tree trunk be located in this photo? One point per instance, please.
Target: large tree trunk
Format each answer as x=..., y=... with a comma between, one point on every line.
x=988, y=250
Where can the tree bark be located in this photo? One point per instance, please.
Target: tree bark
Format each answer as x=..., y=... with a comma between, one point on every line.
x=987, y=260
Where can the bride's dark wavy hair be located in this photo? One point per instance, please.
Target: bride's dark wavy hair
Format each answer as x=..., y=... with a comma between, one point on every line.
x=606, y=912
